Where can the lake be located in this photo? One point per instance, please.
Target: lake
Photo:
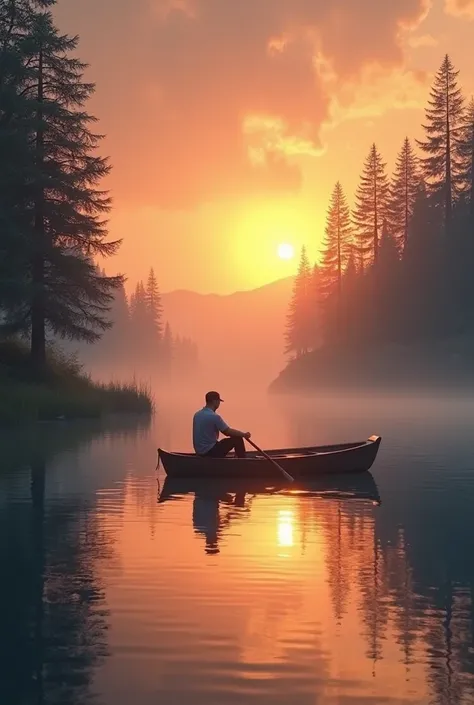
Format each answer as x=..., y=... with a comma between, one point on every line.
x=113, y=592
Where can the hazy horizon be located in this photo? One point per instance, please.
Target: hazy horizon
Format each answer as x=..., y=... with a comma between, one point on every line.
x=131, y=287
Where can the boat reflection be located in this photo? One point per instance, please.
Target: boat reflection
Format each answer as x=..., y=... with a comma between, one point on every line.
x=218, y=502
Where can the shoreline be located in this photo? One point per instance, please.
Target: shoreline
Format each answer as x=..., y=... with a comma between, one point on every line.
x=428, y=368
x=62, y=392
x=23, y=403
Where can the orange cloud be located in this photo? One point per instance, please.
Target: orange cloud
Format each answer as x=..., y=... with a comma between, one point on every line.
x=460, y=8
x=379, y=91
x=216, y=98
x=422, y=40
x=267, y=134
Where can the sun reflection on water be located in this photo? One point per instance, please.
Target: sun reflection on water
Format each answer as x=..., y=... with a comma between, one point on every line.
x=285, y=528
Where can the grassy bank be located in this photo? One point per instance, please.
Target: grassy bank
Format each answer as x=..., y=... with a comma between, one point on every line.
x=426, y=366
x=63, y=392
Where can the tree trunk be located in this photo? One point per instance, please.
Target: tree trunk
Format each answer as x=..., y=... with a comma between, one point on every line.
x=376, y=214
x=38, y=314
x=407, y=211
x=449, y=186
x=339, y=275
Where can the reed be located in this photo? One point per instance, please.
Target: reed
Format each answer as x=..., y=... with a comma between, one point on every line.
x=64, y=391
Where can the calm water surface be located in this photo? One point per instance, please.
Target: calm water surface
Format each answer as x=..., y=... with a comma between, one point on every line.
x=115, y=589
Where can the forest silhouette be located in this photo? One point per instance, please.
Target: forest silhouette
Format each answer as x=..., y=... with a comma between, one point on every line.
x=396, y=269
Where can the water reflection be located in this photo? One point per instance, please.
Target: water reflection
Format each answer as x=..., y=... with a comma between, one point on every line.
x=233, y=592
x=211, y=515
x=53, y=617
x=52, y=600
x=412, y=640
x=285, y=528
x=217, y=503
x=213, y=507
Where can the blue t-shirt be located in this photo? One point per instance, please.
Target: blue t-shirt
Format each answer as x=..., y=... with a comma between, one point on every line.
x=206, y=427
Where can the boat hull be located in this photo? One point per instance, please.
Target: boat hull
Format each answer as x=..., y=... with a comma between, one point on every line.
x=301, y=463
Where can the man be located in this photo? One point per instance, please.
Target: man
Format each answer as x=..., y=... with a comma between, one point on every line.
x=206, y=427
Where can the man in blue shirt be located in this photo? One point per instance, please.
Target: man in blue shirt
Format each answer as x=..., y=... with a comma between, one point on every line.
x=206, y=427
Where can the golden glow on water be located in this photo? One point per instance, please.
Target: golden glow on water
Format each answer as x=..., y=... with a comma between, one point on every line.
x=326, y=614
x=285, y=528
x=220, y=598
x=321, y=614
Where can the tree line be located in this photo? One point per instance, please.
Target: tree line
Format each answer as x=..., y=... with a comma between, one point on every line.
x=140, y=336
x=53, y=210
x=397, y=266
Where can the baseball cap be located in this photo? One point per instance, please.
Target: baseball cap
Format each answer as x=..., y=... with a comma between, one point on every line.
x=213, y=396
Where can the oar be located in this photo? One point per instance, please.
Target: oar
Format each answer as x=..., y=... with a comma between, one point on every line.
x=267, y=457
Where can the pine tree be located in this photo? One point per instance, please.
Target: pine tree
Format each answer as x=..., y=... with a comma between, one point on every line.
x=467, y=153
x=337, y=246
x=371, y=208
x=315, y=307
x=16, y=114
x=154, y=306
x=299, y=333
x=119, y=315
x=64, y=218
x=403, y=193
x=443, y=163
x=139, y=311
x=460, y=254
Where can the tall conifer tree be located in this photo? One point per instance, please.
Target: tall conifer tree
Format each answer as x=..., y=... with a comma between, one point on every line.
x=403, y=192
x=16, y=115
x=337, y=249
x=63, y=209
x=337, y=246
x=154, y=305
x=139, y=311
x=467, y=152
x=300, y=333
x=371, y=208
x=442, y=161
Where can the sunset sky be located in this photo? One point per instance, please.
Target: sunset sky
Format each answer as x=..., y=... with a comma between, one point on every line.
x=228, y=122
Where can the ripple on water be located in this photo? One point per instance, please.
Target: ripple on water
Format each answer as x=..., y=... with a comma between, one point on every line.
x=113, y=597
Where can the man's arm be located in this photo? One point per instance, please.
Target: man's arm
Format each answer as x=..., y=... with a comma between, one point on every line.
x=230, y=432
x=234, y=433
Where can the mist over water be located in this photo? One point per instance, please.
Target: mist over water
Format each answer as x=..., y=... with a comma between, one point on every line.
x=110, y=596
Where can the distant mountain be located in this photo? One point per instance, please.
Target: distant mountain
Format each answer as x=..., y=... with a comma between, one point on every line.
x=239, y=334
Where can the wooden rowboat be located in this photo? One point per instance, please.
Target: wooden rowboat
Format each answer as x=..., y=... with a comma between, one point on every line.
x=301, y=463
x=354, y=486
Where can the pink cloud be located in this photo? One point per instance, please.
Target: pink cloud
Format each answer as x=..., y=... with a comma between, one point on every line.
x=179, y=80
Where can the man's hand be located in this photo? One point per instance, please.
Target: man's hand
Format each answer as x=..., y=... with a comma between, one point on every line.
x=247, y=435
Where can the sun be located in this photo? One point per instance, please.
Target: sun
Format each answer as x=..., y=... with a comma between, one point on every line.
x=286, y=251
